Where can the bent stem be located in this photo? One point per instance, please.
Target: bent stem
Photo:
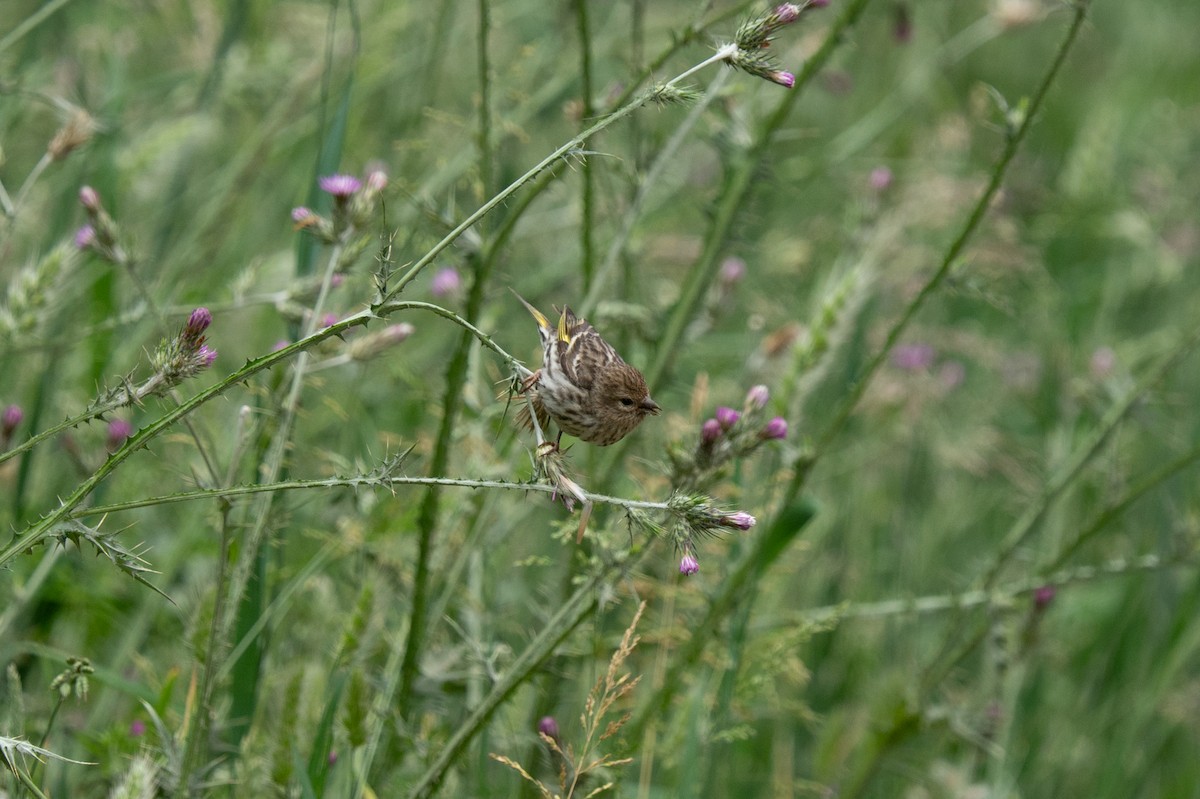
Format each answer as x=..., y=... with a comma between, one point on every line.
x=558, y=155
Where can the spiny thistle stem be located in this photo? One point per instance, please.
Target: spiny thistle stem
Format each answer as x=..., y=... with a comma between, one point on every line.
x=357, y=481
x=562, y=152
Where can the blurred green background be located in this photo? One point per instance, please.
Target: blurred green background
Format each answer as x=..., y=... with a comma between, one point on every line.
x=847, y=668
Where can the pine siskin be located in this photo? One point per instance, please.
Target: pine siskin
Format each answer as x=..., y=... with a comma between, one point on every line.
x=584, y=385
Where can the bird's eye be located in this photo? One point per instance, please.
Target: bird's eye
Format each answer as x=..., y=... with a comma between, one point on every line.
x=627, y=402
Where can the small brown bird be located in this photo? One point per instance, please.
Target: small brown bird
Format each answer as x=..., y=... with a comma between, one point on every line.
x=584, y=385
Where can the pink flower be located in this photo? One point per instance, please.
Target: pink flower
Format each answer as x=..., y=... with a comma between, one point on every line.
x=302, y=215
x=787, y=14
x=880, y=179
x=710, y=431
x=394, y=334
x=951, y=374
x=757, y=397
x=733, y=269
x=85, y=237
x=912, y=357
x=89, y=199
x=118, y=431
x=548, y=726
x=783, y=78
x=11, y=417
x=777, y=428
x=688, y=565
x=446, y=283
x=727, y=417
x=198, y=322
x=376, y=180
x=1103, y=361
x=739, y=520
x=340, y=186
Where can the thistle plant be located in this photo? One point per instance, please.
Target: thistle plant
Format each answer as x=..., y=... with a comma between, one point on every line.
x=458, y=600
x=581, y=766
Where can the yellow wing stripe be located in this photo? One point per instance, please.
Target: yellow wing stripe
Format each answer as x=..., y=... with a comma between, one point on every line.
x=563, y=334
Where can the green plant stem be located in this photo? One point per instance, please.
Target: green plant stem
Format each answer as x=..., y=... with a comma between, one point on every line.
x=903, y=728
x=483, y=338
x=456, y=377
x=1109, y=514
x=766, y=547
x=225, y=611
x=832, y=616
x=1013, y=141
x=733, y=199
x=555, y=631
x=358, y=481
x=1028, y=524
x=427, y=516
x=485, y=96
x=35, y=533
x=587, y=183
x=600, y=285
x=545, y=163
x=1025, y=527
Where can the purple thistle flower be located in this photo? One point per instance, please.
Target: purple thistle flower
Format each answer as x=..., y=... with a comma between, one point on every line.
x=733, y=269
x=951, y=374
x=205, y=356
x=548, y=726
x=118, y=431
x=376, y=180
x=191, y=338
x=198, y=322
x=446, y=282
x=727, y=417
x=302, y=215
x=394, y=334
x=710, y=431
x=340, y=186
x=688, y=565
x=912, y=357
x=1043, y=596
x=12, y=416
x=777, y=428
x=782, y=77
x=329, y=320
x=1103, y=362
x=137, y=728
x=739, y=520
x=757, y=397
x=89, y=199
x=85, y=237
x=880, y=179
x=786, y=14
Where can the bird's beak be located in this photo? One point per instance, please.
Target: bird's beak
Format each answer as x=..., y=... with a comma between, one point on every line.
x=650, y=406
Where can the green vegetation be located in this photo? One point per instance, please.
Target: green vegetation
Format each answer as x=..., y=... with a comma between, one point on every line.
x=296, y=544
